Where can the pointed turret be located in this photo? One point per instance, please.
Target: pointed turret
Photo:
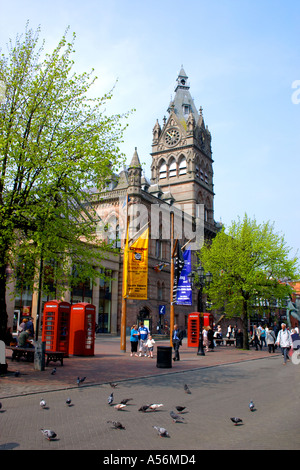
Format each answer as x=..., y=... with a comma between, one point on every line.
x=135, y=171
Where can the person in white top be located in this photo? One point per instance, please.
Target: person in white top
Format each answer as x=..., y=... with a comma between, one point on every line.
x=284, y=340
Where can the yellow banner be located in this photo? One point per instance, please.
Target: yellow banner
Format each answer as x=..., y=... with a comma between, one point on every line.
x=136, y=268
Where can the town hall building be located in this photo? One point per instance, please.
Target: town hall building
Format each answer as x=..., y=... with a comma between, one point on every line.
x=181, y=183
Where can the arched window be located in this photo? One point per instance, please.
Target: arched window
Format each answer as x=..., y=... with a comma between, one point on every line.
x=182, y=166
x=172, y=169
x=159, y=291
x=163, y=170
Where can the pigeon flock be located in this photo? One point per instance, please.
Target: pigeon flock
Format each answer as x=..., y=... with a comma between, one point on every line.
x=176, y=417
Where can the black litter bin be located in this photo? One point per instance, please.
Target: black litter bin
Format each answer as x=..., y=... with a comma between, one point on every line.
x=164, y=357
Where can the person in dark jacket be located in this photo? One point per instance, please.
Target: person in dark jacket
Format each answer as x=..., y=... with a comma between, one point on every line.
x=177, y=336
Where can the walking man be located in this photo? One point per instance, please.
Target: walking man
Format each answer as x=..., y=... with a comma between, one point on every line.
x=143, y=332
x=177, y=342
x=284, y=340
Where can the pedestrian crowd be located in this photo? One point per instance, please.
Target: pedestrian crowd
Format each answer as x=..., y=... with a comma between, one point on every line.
x=142, y=343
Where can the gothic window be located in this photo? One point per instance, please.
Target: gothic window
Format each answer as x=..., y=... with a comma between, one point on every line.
x=186, y=109
x=159, y=291
x=206, y=177
x=158, y=244
x=182, y=167
x=163, y=170
x=201, y=174
x=172, y=169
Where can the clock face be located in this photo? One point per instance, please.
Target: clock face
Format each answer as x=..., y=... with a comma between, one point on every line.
x=172, y=136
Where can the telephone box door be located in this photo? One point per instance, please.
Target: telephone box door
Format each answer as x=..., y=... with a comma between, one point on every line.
x=82, y=329
x=193, y=329
x=56, y=322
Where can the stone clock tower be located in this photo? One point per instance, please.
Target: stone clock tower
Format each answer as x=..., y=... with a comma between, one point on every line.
x=181, y=155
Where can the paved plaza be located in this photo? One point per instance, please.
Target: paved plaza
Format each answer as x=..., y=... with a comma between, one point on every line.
x=222, y=383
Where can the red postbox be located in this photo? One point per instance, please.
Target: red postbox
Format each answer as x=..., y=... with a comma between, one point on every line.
x=194, y=327
x=56, y=326
x=82, y=329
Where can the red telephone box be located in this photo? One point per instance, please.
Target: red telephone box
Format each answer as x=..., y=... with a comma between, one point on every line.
x=82, y=329
x=56, y=326
x=194, y=326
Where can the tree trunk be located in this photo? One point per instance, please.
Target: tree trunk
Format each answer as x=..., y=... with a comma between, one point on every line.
x=244, y=318
x=3, y=311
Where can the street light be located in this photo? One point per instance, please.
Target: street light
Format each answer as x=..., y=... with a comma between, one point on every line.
x=199, y=279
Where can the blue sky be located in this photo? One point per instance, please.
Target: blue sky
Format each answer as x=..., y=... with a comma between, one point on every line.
x=241, y=57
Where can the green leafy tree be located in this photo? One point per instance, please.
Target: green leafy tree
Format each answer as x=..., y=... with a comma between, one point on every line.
x=249, y=263
x=56, y=143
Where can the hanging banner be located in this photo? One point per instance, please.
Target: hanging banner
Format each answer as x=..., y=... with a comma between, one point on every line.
x=136, y=262
x=178, y=266
x=184, y=289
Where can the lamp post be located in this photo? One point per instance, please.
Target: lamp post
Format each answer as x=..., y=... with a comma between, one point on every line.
x=201, y=281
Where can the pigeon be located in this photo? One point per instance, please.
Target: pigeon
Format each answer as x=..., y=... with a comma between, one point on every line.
x=68, y=401
x=186, y=389
x=251, y=406
x=155, y=406
x=53, y=371
x=180, y=409
x=236, y=421
x=176, y=418
x=144, y=408
x=117, y=424
x=162, y=432
x=49, y=434
x=80, y=380
x=110, y=399
x=125, y=401
x=42, y=403
x=113, y=385
x=17, y=373
x=120, y=406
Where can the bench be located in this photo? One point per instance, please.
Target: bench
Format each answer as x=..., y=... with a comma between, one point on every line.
x=218, y=341
x=17, y=353
x=230, y=341
x=28, y=354
x=54, y=356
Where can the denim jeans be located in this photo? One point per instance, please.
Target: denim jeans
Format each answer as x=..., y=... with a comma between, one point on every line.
x=285, y=353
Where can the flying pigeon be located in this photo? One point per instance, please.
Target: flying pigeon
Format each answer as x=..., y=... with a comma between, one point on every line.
x=113, y=385
x=110, y=399
x=117, y=424
x=53, y=371
x=186, y=389
x=144, y=408
x=251, y=406
x=68, y=401
x=120, y=406
x=125, y=401
x=236, y=421
x=49, y=434
x=155, y=406
x=176, y=418
x=180, y=409
x=42, y=403
x=162, y=432
x=80, y=380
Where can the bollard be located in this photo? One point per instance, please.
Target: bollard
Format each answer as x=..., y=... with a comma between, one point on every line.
x=39, y=355
x=3, y=364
